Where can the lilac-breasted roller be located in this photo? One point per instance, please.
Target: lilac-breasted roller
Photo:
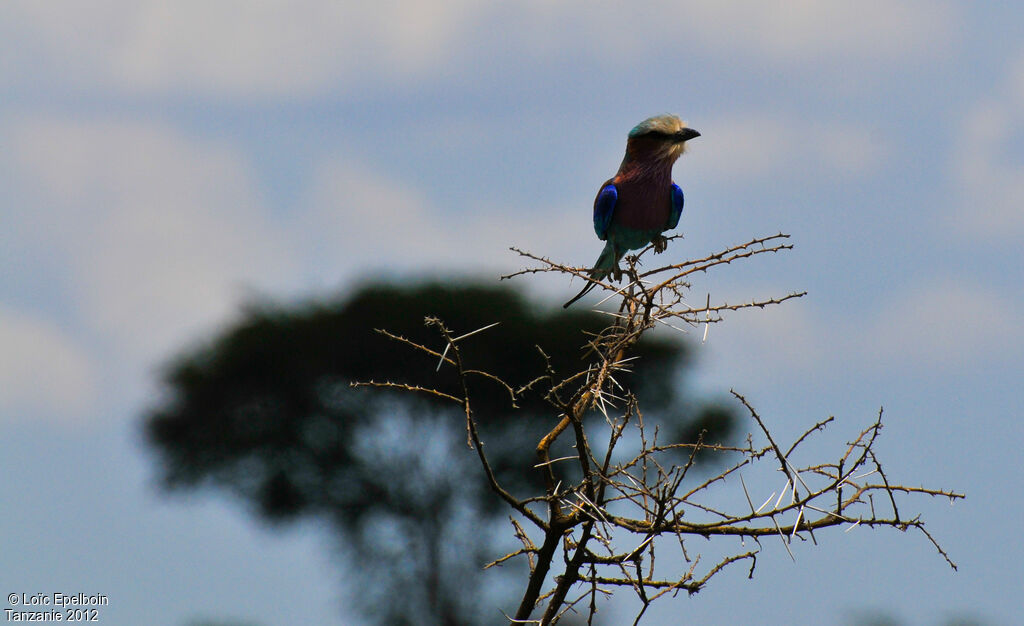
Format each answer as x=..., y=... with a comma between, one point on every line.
x=640, y=202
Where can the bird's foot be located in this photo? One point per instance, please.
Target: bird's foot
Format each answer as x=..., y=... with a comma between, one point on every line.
x=660, y=243
x=617, y=274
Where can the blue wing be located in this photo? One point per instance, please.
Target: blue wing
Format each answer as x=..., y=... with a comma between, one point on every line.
x=677, y=207
x=604, y=206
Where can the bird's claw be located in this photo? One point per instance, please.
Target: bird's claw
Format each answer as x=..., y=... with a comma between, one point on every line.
x=660, y=243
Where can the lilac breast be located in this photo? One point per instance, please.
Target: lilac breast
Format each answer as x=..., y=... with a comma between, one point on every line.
x=643, y=204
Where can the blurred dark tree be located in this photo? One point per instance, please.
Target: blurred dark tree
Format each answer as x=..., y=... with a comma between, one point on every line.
x=265, y=411
x=868, y=617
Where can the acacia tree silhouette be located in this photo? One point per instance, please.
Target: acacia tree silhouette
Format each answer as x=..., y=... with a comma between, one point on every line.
x=265, y=411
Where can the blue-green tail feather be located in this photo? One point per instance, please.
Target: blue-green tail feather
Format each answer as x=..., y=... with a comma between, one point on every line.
x=606, y=263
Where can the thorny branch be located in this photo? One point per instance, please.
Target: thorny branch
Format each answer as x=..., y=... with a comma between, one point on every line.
x=627, y=507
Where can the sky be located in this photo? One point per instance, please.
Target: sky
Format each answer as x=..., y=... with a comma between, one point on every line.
x=164, y=163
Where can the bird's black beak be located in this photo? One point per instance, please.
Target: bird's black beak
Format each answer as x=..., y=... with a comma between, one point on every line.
x=686, y=134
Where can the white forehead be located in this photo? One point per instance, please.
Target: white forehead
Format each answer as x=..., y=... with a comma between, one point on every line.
x=660, y=123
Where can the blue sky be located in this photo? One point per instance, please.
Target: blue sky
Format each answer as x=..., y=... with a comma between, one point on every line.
x=163, y=162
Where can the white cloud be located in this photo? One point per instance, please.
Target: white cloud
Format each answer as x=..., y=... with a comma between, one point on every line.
x=755, y=147
x=805, y=31
x=282, y=47
x=230, y=48
x=155, y=233
x=934, y=327
x=787, y=334
x=800, y=32
x=358, y=219
x=151, y=235
x=989, y=162
x=41, y=368
x=947, y=324
x=303, y=47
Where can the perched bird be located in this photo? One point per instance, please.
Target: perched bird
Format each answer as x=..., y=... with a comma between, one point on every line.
x=640, y=202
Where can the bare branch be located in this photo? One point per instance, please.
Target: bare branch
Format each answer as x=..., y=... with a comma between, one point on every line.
x=611, y=521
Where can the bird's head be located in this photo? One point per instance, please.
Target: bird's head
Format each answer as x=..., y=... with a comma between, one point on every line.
x=662, y=137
